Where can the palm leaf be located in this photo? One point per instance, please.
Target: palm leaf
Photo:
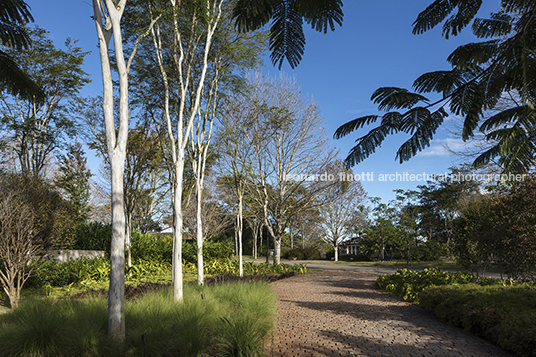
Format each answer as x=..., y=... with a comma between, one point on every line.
x=389, y=98
x=321, y=14
x=17, y=82
x=250, y=15
x=443, y=81
x=367, y=144
x=472, y=55
x=499, y=25
x=505, y=117
x=287, y=39
x=467, y=10
x=13, y=15
x=353, y=125
x=433, y=15
x=423, y=132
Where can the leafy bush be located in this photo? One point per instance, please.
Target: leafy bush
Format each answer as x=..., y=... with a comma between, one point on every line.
x=430, y=251
x=52, y=273
x=196, y=327
x=307, y=253
x=160, y=247
x=407, y=284
x=231, y=266
x=93, y=236
x=503, y=314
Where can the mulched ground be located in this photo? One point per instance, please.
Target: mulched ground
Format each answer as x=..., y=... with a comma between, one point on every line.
x=340, y=313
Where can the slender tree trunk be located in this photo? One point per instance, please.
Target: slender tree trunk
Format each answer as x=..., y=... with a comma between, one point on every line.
x=116, y=295
x=177, y=229
x=336, y=248
x=128, y=238
x=199, y=235
x=240, y=226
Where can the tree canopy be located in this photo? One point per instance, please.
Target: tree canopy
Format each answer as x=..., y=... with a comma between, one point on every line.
x=482, y=74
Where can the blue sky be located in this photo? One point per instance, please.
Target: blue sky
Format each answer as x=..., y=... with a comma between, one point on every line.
x=340, y=70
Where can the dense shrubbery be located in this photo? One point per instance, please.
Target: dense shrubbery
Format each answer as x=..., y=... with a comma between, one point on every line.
x=501, y=310
x=52, y=273
x=93, y=236
x=299, y=253
x=160, y=247
x=230, y=266
x=231, y=320
x=407, y=284
x=505, y=315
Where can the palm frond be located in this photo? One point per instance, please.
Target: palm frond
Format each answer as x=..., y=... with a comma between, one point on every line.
x=433, y=15
x=321, y=14
x=353, y=125
x=389, y=98
x=427, y=124
x=287, y=39
x=472, y=55
x=250, y=15
x=367, y=144
x=468, y=101
x=505, y=117
x=500, y=24
x=17, y=82
x=14, y=14
x=467, y=10
x=443, y=81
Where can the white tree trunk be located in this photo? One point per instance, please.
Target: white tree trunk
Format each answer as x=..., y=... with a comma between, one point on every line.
x=240, y=229
x=336, y=248
x=199, y=234
x=177, y=231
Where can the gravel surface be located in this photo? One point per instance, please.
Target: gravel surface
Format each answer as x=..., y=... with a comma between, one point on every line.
x=339, y=313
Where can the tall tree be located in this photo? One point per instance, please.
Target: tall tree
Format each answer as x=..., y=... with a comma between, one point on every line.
x=73, y=179
x=107, y=15
x=481, y=73
x=289, y=147
x=14, y=15
x=35, y=129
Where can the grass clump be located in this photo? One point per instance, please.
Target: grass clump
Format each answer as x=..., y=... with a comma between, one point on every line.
x=206, y=323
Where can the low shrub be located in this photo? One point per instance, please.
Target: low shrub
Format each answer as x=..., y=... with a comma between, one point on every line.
x=407, y=284
x=198, y=326
x=505, y=315
x=231, y=266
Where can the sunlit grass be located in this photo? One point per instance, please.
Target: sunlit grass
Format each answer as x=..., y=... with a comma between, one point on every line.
x=206, y=323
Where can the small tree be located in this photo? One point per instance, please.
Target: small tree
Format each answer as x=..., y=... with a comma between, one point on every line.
x=17, y=245
x=341, y=207
x=33, y=217
x=73, y=179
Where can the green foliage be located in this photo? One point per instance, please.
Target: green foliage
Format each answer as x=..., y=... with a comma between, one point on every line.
x=93, y=236
x=505, y=315
x=287, y=40
x=494, y=74
x=407, y=284
x=160, y=247
x=231, y=266
x=500, y=228
x=14, y=15
x=307, y=253
x=194, y=328
x=36, y=130
x=73, y=179
x=52, y=273
x=430, y=251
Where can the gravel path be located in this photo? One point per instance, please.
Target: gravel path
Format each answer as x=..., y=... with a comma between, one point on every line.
x=339, y=313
